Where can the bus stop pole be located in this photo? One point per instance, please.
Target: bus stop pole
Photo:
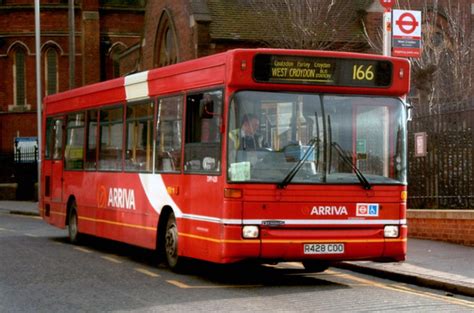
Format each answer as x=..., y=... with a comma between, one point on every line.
x=38, y=86
x=387, y=32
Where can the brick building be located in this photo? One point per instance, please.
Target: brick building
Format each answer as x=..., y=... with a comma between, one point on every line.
x=106, y=31
x=113, y=38
x=179, y=30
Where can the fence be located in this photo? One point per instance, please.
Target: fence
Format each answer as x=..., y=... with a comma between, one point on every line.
x=26, y=155
x=6, y=168
x=443, y=178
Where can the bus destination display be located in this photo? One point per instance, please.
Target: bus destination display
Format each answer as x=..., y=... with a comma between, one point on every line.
x=322, y=71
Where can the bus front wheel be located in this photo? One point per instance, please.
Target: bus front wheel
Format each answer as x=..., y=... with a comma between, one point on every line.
x=171, y=244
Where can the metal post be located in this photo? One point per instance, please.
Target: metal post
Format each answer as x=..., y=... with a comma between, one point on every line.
x=38, y=86
x=387, y=32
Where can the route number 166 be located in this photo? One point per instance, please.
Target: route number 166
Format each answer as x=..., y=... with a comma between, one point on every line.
x=362, y=72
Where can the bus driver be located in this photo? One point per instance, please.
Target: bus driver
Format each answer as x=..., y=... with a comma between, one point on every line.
x=247, y=137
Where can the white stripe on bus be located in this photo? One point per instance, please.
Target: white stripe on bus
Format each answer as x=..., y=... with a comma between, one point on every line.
x=211, y=219
x=156, y=193
x=136, y=86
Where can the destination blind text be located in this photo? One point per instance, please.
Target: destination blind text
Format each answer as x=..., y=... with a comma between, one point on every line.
x=302, y=70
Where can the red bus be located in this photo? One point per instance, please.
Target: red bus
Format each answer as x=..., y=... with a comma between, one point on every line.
x=264, y=154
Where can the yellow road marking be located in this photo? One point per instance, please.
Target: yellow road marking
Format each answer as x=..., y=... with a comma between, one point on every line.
x=83, y=250
x=404, y=289
x=9, y=230
x=185, y=286
x=469, y=304
x=146, y=272
x=26, y=216
x=178, y=284
x=111, y=259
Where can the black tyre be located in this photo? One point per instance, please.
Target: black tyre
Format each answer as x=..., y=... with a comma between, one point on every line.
x=315, y=266
x=73, y=230
x=174, y=261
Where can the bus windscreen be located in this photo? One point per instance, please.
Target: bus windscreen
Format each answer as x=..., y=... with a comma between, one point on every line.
x=344, y=72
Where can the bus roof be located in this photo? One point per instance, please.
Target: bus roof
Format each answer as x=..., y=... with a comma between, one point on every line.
x=212, y=71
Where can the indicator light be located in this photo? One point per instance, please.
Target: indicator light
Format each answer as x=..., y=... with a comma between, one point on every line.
x=232, y=193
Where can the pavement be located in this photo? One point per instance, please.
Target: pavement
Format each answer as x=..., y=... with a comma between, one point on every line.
x=432, y=264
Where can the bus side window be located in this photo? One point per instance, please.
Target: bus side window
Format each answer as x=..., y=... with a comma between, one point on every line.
x=111, y=139
x=169, y=125
x=138, y=156
x=203, y=137
x=74, y=152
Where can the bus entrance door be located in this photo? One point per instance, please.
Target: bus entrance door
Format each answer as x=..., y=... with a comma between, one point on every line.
x=56, y=169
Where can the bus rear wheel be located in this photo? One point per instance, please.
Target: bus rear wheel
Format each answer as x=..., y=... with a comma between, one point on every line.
x=73, y=230
x=174, y=261
x=315, y=266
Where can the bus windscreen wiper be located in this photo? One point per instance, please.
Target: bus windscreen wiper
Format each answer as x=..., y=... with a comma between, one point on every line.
x=291, y=174
x=365, y=183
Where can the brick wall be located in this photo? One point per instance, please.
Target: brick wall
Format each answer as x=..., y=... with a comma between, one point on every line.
x=178, y=11
x=94, y=26
x=456, y=226
x=12, y=124
x=90, y=47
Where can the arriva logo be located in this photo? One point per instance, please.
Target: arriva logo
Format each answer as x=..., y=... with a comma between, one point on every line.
x=121, y=198
x=329, y=210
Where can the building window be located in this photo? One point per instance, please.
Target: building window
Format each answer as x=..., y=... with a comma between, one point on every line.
x=19, y=68
x=114, y=60
x=166, y=49
x=51, y=71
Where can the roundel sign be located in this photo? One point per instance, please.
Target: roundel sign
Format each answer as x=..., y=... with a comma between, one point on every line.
x=407, y=23
x=406, y=33
x=388, y=4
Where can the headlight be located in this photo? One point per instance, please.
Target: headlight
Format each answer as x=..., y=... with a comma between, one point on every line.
x=250, y=232
x=391, y=231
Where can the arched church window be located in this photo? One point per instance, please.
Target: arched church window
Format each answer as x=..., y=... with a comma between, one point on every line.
x=51, y=71
x=19, y=76
x=166, y=48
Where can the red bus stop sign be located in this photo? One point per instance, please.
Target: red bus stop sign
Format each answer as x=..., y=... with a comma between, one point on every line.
x=387, y=4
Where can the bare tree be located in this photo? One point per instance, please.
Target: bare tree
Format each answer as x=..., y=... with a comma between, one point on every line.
x=310, y=24
x=442, y=73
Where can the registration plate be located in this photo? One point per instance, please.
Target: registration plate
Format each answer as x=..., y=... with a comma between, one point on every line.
x=323, y=248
